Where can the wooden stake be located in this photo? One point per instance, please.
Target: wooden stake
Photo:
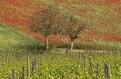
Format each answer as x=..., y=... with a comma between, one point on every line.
x=98, y=71
x=23, y=72
x=34, y=65
x=28, y=67
x=13, y=74
x=108, y=72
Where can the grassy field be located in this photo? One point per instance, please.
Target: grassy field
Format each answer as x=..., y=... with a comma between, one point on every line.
x=15, y=41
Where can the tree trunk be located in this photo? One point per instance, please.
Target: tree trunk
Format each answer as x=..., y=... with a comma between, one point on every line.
x=46, y=43
x=72, y=45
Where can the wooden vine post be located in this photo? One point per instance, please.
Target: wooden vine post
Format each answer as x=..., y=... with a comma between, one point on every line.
x=97, y=71
x=13, y=74
x=107, y=71
x=23, y=73
x=34, y=66
x=28, y=67
x=83, y=60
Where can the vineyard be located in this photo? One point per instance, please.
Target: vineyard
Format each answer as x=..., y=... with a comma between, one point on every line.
x=60, y=39
x=88, y=64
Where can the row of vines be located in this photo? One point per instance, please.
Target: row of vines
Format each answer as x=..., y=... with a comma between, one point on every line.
x=87, y=64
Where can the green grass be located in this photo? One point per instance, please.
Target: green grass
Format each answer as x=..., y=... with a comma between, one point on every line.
x=15, y=41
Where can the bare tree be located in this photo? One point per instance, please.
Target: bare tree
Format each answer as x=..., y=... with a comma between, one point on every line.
x=73, y=27
x=45, y=22
x=50, y=21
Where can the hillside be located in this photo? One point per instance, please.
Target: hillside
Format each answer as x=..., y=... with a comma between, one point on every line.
x=15, y=41
x=105, y=16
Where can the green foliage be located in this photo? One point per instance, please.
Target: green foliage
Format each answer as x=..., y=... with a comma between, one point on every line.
x=57, y=65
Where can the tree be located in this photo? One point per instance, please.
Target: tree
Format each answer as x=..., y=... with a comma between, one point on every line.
x=72, y=27
x=45, y=22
